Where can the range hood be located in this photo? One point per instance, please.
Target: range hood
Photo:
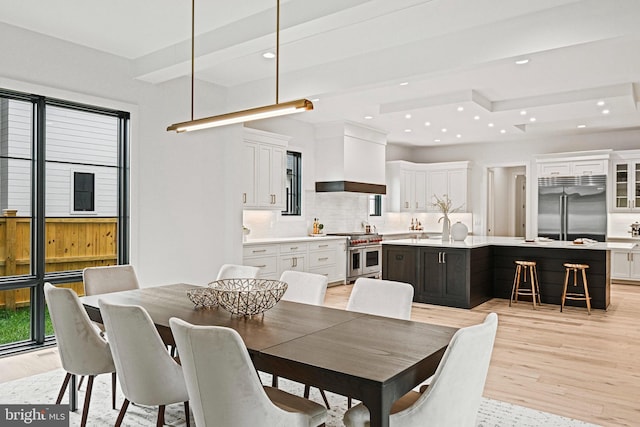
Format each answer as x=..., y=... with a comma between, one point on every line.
x=350, y=158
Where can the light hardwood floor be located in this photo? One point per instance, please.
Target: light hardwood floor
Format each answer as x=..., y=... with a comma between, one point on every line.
x=571, y=364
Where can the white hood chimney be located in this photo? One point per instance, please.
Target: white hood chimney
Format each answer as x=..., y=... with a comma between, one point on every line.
x=350, y=157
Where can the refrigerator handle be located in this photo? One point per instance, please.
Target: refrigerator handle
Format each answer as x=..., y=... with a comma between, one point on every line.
x=564, y=226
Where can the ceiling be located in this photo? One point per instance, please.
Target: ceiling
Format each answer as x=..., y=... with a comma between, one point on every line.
x=429, y=73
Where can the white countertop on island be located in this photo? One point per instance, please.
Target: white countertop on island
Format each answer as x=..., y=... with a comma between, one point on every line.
x=481, y=241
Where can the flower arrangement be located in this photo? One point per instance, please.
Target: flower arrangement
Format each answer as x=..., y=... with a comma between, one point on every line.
x=444, y=204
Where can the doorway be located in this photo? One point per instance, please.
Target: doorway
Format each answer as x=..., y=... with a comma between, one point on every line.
x=506, y=201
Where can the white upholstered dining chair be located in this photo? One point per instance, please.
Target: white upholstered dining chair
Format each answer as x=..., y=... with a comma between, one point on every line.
x=234, y=271
x=112, y=278
x=83, y=351
x=455, y=392
x=224, y=387
x=386, y=298
x=148, y=374
x=381, y=298
x=304, y=288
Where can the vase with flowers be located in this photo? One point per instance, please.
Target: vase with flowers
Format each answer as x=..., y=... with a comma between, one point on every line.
x=444, y=204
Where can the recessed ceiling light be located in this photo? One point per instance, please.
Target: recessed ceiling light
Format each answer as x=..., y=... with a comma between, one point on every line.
x=532, y=119
x=444, y=130
x=427, y=123
x=460, y=108
x=407, y=116
x=315, y=100
x=522, y=61
x=600, y=103
x=523, y=112
x=436, y=140
x=476, y=117
x=605, y=111
x=503, y=131
x=490, y=125
x=407, y=130
x=269, y=55
x=582, y=126
x=458, y=136
x=404, y=83
x=368, y=117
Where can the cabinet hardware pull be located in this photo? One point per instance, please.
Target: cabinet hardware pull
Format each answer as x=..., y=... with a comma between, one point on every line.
x=255, y=251
x=244, y=197
x=261, y=266
x=323, y=246
x=416, y=205
x=323, y=259
x=444, y=259
x=293, y=248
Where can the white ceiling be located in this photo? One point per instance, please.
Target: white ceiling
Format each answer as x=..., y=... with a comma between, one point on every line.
x=353, y=55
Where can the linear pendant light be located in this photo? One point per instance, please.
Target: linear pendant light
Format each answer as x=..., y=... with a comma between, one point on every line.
x=277, y=109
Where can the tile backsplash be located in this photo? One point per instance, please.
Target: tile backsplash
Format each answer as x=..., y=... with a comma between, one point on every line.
x=339, y=212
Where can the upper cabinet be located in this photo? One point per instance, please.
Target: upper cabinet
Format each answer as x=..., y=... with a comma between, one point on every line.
x=625, y=187
x=573, y=168
x=411, y=186
x=265, y=157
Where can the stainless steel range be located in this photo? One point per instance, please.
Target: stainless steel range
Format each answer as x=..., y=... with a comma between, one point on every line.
x=364, y=255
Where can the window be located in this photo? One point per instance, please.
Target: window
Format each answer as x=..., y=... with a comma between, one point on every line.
x=293, y=183
x=64, y=204
x=83, y=192
x=375, y=205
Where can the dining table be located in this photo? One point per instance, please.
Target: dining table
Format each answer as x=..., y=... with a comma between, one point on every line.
x=373, y=359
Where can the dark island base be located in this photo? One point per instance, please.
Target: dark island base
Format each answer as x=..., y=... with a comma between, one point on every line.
x=473, y=276
x=551, y=273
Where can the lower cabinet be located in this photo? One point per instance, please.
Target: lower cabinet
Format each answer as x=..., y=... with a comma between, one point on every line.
x=443, y=276
x=625, y=265
x=321, y=256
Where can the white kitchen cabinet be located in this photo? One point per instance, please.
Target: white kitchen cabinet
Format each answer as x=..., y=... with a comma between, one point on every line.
x=572, y=167
x=326, y=256
x=625, y=265
x=449, y=179
x=626, y=185
x=265, y=155
x=411, y=186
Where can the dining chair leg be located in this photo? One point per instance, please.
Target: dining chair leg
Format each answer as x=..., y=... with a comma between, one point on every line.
x=63, y=388
x=274, y=381
x=160, y=422
x=123, y=411
x=80, y=382
x=186, y=413
x=113, y=390
x=348, y=403
x=324, y=397
x=87, y=400
x=307, y=389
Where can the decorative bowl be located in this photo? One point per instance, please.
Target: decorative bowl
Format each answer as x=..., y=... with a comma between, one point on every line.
x=203, y=297
x=246, y=297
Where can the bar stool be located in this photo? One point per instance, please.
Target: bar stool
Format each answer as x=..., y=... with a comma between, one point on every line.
x=576, y=296
x=534, y=291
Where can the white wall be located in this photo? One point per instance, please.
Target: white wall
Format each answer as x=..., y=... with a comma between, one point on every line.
x=185, y=210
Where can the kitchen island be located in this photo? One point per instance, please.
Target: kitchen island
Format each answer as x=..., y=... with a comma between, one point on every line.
x=467, y=273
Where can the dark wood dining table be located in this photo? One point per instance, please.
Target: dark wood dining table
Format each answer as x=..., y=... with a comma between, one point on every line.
x=372, y=359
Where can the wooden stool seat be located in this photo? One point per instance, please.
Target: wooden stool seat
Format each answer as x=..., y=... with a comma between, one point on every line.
x=576, y=296
x=534, y=290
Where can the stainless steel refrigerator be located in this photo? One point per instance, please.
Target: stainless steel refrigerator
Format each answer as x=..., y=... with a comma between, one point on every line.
x=573, y=207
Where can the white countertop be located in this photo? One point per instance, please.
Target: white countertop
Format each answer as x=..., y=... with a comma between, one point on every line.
x=271, y=240
x=480, y=241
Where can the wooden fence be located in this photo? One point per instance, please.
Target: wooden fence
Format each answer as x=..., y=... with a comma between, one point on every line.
x=71, y=244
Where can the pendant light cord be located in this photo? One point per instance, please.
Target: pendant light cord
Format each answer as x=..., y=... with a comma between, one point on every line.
x=193, y=53
x=277, y=50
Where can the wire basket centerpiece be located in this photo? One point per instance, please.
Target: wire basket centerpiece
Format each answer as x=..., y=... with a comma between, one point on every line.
x=246, y=297
x=203, y=297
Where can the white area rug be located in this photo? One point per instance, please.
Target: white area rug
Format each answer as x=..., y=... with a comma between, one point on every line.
x=43, y=389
